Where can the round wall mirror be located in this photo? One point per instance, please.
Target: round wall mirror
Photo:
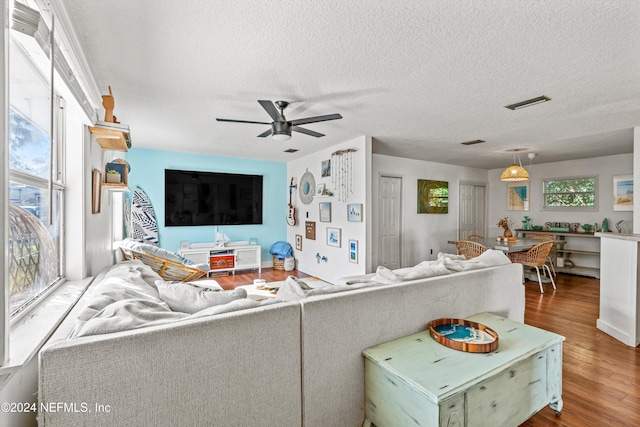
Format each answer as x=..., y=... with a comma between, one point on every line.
x=307, y=187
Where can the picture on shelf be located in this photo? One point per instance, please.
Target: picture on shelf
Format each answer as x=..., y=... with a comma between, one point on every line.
x=325, y=212
x=333, y=237
x=354, y=212
x=320, y=189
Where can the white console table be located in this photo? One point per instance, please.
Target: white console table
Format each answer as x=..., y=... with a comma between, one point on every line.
x=619, y=299
x=245, y=257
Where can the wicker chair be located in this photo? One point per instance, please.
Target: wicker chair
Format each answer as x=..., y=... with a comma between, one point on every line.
x=474, y=236
x=536, y=257
x=545, y=237
x=470, y=249
x=168, y=270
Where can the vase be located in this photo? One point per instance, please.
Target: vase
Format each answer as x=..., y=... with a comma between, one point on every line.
x=507, y=233
x=113, y=178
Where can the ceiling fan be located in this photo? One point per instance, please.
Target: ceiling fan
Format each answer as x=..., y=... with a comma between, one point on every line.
x=281, y=127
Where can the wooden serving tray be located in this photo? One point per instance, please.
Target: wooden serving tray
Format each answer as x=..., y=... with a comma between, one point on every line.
x=464, y=335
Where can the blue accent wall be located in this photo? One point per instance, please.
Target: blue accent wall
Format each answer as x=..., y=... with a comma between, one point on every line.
x=147, y=172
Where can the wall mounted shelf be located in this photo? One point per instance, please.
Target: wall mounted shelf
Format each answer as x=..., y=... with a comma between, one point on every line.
x=112, y=136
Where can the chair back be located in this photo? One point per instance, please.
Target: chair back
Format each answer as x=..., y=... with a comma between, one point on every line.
x=469, y=248
x=168, y=270
x=537, y=255
x=474, y=236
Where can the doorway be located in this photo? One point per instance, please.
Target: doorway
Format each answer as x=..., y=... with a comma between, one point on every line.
x=472, y=210
x=389, y=221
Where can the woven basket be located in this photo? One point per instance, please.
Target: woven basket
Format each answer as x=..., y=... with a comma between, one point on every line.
x=278, y=264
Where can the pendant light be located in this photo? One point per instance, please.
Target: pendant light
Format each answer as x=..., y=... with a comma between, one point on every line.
x=515, y=172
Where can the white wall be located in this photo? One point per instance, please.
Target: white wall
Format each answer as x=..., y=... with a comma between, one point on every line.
x=636, y=181
x=423, y=235
x=337, y=264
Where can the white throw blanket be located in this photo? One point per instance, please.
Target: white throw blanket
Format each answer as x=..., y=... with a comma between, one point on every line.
x=128, y=298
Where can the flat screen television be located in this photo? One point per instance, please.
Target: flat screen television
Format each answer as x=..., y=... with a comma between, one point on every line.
x=211, y=198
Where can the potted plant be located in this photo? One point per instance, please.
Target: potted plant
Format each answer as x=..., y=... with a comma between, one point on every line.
x=113, y=176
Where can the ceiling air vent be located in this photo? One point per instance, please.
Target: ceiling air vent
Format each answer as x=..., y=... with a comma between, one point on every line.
x=290, y=150
x=474, y=142
x=528, y=103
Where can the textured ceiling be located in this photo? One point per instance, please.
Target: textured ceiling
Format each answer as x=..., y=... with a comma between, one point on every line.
x=420, y=77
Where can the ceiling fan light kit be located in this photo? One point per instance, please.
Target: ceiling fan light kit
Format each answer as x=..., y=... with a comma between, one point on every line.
x=281, y=127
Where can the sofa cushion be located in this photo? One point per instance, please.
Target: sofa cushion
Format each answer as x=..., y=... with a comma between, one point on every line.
x=185, y=298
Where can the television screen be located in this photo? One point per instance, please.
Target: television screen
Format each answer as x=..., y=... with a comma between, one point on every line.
x=211, y=198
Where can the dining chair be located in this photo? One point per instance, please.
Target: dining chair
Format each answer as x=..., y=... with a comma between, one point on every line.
x=474, y=236
x=545, y=237
x=536, y=257
x=469, y=248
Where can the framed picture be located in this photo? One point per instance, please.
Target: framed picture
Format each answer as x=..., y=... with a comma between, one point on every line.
x=326, y=168
x=433, y=196
x=184, y=244
x=96, y=191
x=354, y=212
x=353, y=251
x=325, y=211
x=320, y=189
x=310, y=230
x=518, y=196
x=334, y=237
x=298, y=242
x=623, y=193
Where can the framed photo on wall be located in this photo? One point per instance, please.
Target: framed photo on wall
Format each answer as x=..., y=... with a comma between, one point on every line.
x=325, y=211
x=298, y=242
x=353, y=251
x=518, y=196
x=433, y=196
x=623, y=193
x=354, y=212
x=334, y=237
x=326, y=168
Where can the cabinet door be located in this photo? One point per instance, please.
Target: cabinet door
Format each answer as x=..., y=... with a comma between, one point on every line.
x=197, y=257
x=247, y=257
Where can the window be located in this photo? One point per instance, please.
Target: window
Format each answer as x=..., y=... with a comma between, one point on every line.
x=576, y=193
x=35, y=204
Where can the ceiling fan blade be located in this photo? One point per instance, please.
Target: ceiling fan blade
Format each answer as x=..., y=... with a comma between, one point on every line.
x=265, y=134
x=316, y=119
x=307, y=131
x=272, y=110
x=242, y=121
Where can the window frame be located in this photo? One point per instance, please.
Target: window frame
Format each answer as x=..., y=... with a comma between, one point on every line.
x=594, y=208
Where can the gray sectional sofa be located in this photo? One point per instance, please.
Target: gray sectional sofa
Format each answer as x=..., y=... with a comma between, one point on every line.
x=295, y=363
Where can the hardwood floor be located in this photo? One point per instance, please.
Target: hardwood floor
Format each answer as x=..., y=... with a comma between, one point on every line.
x=601, y=376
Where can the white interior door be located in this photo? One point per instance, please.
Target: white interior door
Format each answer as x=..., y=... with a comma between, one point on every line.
x=472, y=210
x=389, y=221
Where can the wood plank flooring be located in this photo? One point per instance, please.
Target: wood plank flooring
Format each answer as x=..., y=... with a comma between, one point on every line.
x=601, y=376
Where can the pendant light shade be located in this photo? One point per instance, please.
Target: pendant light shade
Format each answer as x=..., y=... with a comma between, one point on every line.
x=515, y=172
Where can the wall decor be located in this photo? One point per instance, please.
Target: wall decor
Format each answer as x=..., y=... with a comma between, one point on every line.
x=623, y=193
x=298, y=242
x=326, y=168
x=310, y=230
x=518, y=196
x=306, y=187
x=334, y=237
x=320, y=189
x=325, y=212
x=354, y=212
x=353, y=251
x=96, y=191
x=433, y=196
x=342, y=176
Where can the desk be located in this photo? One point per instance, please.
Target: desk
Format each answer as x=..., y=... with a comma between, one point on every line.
x=416, y=381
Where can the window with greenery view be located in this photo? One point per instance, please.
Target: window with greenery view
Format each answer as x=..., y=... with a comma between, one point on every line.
x=571, y=193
